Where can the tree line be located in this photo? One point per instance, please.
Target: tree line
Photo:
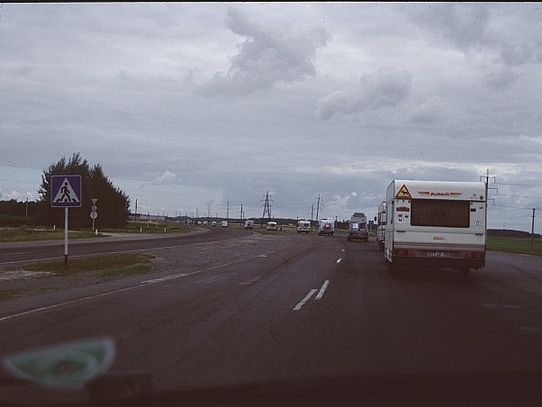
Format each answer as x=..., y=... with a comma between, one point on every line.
x=113, y=204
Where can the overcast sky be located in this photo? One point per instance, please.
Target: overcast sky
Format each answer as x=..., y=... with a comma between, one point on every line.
x=185, y=104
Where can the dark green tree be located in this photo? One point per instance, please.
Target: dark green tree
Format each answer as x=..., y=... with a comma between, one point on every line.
x=113, y=204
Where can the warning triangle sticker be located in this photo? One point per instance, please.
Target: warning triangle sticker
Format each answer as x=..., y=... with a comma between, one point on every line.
x=66, y=193
x=403, y=193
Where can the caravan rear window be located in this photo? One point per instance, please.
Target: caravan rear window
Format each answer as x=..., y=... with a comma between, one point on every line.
x=438, y=212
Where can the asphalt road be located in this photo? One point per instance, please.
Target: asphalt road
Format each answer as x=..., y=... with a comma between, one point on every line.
x=297, y=307
x=24, y=251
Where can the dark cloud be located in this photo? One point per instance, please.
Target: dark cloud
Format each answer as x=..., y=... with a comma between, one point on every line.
x=276, y=50
x=381, y=89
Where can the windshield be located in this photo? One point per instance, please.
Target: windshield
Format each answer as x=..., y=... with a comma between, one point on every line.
x=200, y=183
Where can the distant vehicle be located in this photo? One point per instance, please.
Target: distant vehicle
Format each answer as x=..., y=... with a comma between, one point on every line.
x=213, y=223
x=224, y=224
x=271, y=225
x=326, y=227
x=249, y=224
x=381, y=225
x=205, y=222
x=303, y=226
x=357, y=228
x=436, y=223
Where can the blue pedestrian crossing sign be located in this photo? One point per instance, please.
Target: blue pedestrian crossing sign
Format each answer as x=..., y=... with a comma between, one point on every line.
x=66, y=191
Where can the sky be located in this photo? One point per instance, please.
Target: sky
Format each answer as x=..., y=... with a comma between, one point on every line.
x=189, y=106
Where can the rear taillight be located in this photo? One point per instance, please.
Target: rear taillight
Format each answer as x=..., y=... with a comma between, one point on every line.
x=404, y=253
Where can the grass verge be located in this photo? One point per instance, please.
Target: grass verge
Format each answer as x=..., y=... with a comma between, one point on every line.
x=514, y=245
x=21, y=234
x=108, y=266
x=146, y=227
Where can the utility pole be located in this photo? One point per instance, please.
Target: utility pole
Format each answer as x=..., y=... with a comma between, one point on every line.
x=26, y=211
x=487, y=177
x=136, y=211
x=312, y=211
x=241, y=214
x=532, y=231
x=266, y=208
x=318, y=208
x=209, y=210
x=228, y=210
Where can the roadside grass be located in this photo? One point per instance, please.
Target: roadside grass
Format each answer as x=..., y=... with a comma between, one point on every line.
x=107, y=266
x=14, y=293
x=514, y=245
x=9, y=294
x=24, y=234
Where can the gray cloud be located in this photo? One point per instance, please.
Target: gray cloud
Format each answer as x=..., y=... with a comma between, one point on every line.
x=380, y=89
x=429, y=112
x=122, y=84
x=463, y=25
x=501, y=79
x=521, y=53
x=273, y=51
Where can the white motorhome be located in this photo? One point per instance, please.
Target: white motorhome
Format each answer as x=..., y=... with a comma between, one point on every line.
x=326, y=227
x=381, y=225
x=304, y=226
x=435, y=223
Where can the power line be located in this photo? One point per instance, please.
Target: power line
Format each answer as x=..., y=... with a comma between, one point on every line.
x=266, y=207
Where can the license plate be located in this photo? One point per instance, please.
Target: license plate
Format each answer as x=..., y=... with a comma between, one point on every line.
x=438, y=254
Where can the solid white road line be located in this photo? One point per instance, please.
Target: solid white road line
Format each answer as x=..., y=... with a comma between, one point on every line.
x=322, y=290
x=138, y=285
x=304, y=300
x=504, y=306
x=32, y=311
x=339, y=260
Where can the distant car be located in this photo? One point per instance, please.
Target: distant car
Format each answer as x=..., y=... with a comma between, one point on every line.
x=213, y=223
x=357, y=228
x=224, y=224
x=271, y=225
x=205, y=222
x=303, y=226
x=326, y=227
x=249, y=224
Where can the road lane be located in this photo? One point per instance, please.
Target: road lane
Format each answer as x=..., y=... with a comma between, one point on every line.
x=27, y=251
x=235, y=323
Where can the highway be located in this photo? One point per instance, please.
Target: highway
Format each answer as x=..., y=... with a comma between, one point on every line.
x=254, y=308
x=36, y=250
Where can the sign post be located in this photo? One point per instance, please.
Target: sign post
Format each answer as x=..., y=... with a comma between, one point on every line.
x=66, y=193
x=93, y=213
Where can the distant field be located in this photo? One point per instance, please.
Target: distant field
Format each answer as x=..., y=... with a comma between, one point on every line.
x=146, y=227
x=514, y=245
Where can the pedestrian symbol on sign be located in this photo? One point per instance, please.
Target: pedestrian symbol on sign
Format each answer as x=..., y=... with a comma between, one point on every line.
x=66, y=191
x=66, y=194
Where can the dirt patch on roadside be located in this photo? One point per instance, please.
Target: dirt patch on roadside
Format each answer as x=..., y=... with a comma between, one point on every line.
x=186, y=258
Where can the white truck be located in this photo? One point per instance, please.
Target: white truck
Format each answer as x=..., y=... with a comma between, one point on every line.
x=326, y=227
x=435, y=224
x=303, y=226
x=381, y=225
x=271, y=225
